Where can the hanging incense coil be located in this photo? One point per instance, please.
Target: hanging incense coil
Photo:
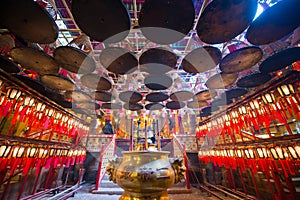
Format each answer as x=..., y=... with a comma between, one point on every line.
x=182, y=95
x=219, y=81
x=130, y=96
x=274, y=23
x=118, y=60
x=104, y=21
x=29, y=21
x=222, y=21
x=74, y=60
x=157, y=61
x=241, y=59
x=161, y=22
x=96, y=82
x=156, y=97
x=35, y=60
x=55, y=82
x=201, y=59
x=253, y=80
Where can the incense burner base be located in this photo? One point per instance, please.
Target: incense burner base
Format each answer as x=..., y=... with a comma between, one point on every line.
x=145, y=175
x=148, y=196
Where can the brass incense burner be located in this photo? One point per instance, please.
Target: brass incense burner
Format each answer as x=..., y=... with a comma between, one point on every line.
x=145, y=175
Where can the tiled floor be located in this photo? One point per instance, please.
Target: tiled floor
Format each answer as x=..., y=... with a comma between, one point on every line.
x=193, y=196
x=84, y=194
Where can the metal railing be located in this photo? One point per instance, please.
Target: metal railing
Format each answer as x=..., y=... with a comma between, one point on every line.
x=107, y=153
x=179, y=151
x=219, y=191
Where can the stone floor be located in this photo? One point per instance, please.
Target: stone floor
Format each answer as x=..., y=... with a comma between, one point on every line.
x=195, y=195
x=84, y=194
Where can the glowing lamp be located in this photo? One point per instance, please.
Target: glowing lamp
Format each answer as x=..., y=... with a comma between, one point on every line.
x=242, y=110
x=279, y=152
x=268, y=98
x=49, y=112
x=18, y=152
x=266, y=152
x=225, y=153
x=297, y=149
x=64, y=152
x=42, y=153
x=217, y=153
x=31, y=152
x=221, y=153
x=58, y=115
x=239, y=153
x=251, y=153
x=4, y=151
x=285, y=90
x=13, y=93
x=254, y=104
x=70, y=153
x=260, y=153
x=230, y=153
x=246, y=153
x=75, y=153
x=227, y=117
x=274, y=153
x=58, y=152
x=208, y=153
x=51, y=152
x=40, y=107
x=285, y=152
x=65, y=118
x=293, y=152
x=28, y=101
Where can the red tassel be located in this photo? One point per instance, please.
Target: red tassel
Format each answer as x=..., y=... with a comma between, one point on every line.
x=283, y=167
x=38, y=167
x=254, y=166
x=14, y=165
x=22, y=114
x=295, y=107
x=4, y=163
x=55, y=162
x=254, y=123
x=2, y=106
x=82, y=159
x=27, y=166
x=48, y=163
x=73, y=161
x=234, y=165
x=290, y=167
x=68, y=163
x=267, y=118
x=274, y=166
x=261, y=166
x=16, y=115
x=279, y=116
x=6, y=108
x=284, y=104
x=46, y=123
x=243, y=167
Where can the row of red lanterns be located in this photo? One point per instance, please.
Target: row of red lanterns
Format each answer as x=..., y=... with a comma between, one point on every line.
x=288, y=157
x=20, y=156
x=18, y=107
x=257, y=113
x=276, y=152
